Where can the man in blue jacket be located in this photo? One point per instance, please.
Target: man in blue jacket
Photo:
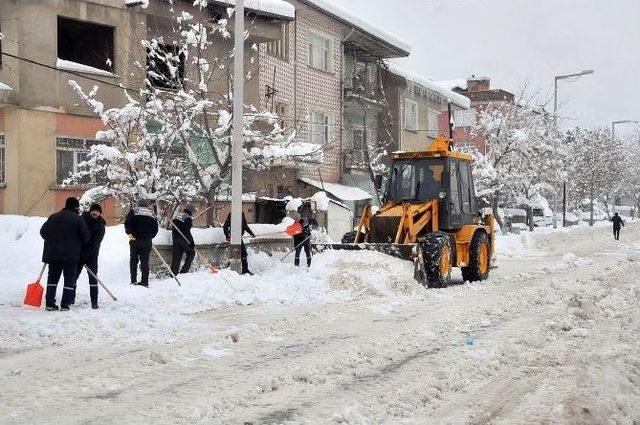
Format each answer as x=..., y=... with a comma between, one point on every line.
x=142, y=226
x=64, y=233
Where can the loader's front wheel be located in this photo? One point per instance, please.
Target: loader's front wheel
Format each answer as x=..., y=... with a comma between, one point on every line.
x=479, y=258
x=436, y=260
x=350, y=237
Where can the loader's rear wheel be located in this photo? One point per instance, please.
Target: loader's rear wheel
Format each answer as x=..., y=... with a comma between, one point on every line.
x=436, y=258
x=479, y=258
x=350, y=237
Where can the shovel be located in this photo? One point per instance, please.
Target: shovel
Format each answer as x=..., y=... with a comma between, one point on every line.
x=33, y=297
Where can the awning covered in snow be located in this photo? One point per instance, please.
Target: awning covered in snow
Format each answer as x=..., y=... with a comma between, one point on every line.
x=342, y=192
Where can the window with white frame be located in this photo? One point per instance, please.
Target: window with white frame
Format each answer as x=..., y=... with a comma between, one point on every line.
x=70, y=153
x=410, y=115
x=466, y=118
x=2, y=160
x=280, y=48
x=319, y=51
x=319, y=128
x=432, y=122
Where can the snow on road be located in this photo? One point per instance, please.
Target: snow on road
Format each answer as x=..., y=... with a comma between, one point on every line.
x=552, y=337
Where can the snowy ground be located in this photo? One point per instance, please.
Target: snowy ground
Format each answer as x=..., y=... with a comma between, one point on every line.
x=552, y=337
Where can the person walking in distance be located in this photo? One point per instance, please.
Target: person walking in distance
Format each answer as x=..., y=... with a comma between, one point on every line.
x=617, y=224
x=89, y=257
x=303, y=240
x=245, y=228
x=142, y=226
x=181, y=229
x=64, y=233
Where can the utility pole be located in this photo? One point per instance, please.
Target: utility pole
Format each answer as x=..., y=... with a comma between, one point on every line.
x=237, y=138
x=555, y=125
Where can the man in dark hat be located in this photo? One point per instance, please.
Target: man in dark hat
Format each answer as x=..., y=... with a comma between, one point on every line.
x=182, y=240
x=96, y=225
x=142, y=226
x=64, y=233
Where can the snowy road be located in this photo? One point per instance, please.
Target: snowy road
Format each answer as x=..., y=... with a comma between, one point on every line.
x=551, y=338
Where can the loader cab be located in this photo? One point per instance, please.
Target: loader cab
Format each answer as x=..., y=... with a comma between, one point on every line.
x=417, y=179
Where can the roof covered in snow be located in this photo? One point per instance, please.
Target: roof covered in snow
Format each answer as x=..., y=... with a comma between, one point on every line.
x=269, y=7
x=431, y=85
x=342, y=192
x=337, y=12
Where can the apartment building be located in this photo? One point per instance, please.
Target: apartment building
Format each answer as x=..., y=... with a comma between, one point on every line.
x=45, y=129
x=313, y=77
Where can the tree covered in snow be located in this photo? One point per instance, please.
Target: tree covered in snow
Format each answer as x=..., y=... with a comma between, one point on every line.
x=171, y=140
x=524, y=157
x=630, y=167
x=595, y=168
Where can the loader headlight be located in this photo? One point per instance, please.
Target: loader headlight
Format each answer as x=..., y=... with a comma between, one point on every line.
x=442, y=195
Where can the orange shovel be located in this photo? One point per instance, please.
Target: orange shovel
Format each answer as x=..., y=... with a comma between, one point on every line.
x=33, y=297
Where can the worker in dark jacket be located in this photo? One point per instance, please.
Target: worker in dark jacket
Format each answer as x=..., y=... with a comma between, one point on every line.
x=617, y=223
x=245, y=228
x=89, y=257
x=303, y=239
x=142, y=226
x=182, y=240
x=64, y=233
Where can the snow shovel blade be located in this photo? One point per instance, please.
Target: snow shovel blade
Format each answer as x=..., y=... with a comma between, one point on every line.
x=34, y=293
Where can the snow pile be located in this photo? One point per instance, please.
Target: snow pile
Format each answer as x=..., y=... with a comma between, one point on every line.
x=514, y=246
x=272, y=7
x=4, y=87
x=322, y=201
x=78, y=67
x=342, y=192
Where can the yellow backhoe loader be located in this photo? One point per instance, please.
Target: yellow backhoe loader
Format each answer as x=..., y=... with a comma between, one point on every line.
x=429, y=215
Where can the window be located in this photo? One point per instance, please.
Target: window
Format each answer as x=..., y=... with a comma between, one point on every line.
x=319, y=128
x=70, y=153
x=165, y=66
x=416, y=180
x=281, y=112
x=319, y=52
x=410, y=115
x=358, y=138
x=455, y=193
x=465, y=118
x=2, y=159
x=280, y=48
x=86, y=43
x=465, y=184
x=432, y=122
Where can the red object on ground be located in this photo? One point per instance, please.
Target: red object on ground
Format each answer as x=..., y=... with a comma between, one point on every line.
x=294, y=229
x=34, y=294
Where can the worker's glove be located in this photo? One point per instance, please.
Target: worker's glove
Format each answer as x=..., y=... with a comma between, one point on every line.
x=131, y=237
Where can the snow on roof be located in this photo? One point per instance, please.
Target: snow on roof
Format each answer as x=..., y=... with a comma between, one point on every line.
x=460, y=83
x=4, y=87
x=455, y=98
x=271, y=7
x=330, y=8
x=342, y=192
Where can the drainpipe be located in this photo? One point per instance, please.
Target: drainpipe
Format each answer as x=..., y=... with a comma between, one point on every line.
x=342, y=110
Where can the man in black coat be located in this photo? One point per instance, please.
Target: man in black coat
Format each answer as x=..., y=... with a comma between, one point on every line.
x=182, y=240
x=64, y=233
x=96, y=225
x=142, y=226
x=303, y=240
x=617, y=223
x=245, y=228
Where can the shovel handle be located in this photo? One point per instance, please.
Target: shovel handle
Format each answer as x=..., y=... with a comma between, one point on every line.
x=44, y=265
x=166, y=265
x=93, y=275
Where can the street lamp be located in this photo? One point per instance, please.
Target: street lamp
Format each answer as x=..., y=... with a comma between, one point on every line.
x=555, y=124
x=613, y=127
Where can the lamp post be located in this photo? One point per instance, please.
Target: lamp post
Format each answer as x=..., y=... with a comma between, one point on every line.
x=555, y=124
x=237, y=138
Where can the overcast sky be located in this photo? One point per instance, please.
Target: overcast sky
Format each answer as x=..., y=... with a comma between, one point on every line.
x=517, y=41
